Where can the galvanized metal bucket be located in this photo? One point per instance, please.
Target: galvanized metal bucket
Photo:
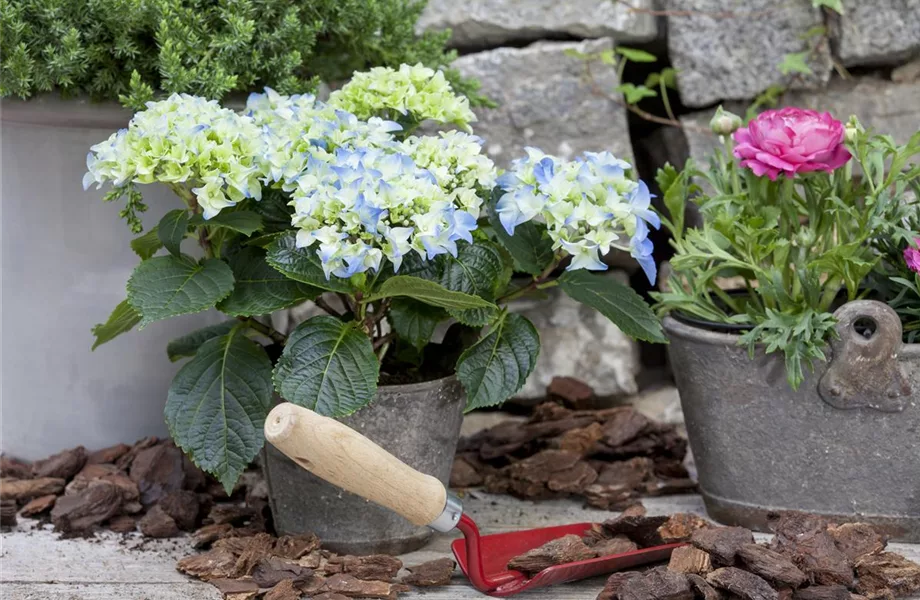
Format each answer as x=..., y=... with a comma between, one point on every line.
x=419, y=424
x=846, y=444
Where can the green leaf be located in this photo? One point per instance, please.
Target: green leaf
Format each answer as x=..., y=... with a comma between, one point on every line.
x=275, y=211
x=188, y=344
x=259, y=289
x=122, y=320
x=217, y=405
x=302, y=264
x=496, y=367
x=147, y=245
x=477, y=270
x=415, y=321
x=246, y=222
x=328, y=366
x=636, y=55
x=428, y=292
x=633, y=93
x=172, y=229
x=834, y=5
x=794, y=62
x=616, y=301
x=530, y=246
x=166, y=286
x=667, y=76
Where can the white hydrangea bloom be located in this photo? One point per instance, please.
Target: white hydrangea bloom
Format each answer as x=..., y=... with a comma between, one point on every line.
x=184, y=140
x=589, y=206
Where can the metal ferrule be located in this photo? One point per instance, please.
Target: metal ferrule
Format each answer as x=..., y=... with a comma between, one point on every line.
x=450, y=516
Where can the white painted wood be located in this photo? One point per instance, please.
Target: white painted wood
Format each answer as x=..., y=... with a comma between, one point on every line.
x=345, y=458
x=108, y=591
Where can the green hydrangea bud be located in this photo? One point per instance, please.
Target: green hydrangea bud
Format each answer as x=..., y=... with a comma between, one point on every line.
x=724, y=122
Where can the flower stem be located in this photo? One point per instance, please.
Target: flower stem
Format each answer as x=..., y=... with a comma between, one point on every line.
x=266, y=330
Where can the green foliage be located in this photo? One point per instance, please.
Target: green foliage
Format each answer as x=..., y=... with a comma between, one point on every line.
x=415, y=321
x=135, y=49
x=530, y=246
x=167, y=286
x=148, y=244
x=245, y=222
x=791, y=250
x=498, y=365
x=217, y=405
x=259, y=289
x=633, y=94
x=636, y=55
x=188, y=344
x=302, y=264
x=795, y=62
x=428, y=292
x=172, y=229
x=328, y=366
x=616, y=301
x=122, y=320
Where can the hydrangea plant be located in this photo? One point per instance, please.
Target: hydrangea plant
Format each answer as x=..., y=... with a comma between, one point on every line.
x=391, y=234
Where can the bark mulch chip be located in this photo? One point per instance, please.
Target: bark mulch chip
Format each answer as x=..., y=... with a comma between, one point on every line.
x=63, y=465
x=432, y=573
x=39, y=505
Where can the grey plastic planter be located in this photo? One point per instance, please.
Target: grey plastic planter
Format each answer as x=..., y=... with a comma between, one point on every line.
x=846, y=444
x=419, y=424
x=65, y=261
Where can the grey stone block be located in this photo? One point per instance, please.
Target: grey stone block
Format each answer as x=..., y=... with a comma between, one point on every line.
x=547, y=100
x=731, y=50
x=485, y=23
x=879, y=32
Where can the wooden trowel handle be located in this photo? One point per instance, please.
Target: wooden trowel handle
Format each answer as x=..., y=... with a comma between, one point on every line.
x=344, y=457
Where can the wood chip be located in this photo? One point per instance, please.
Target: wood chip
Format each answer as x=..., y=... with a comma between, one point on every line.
x=614, y=583
x=703, y=589
x=79, y=513
x=679, y=527
x=624, y=426
x=296, y=546
x=273, y=570
x=815, y=553
x=574, y=392
x=856, y=539
x=822, y=592
x=722, y=543
x=657, y=584
x=24, y=489
x=352, y=587
x=216, y=564
x=157, y=524
x=329, y=596
x=772, y=566
x=14, y=469
x=284, y=590
x=234, y=586
x=581, y=440
x=157, y=471
x=39, y=505
x=253, y=550
x=741, y=583
x=618, y=544
x=887, y=570
x=463, y=475
x=63, y=465
x=431, y=573
x=573, y=480
x=642, y=530
x=108, y=455
x=569, y=548
x=374, y=567
x=122, y=524
x=8, y=513
x=182, y=506
x=230, y=513
x=539, y=467
x=690, y=559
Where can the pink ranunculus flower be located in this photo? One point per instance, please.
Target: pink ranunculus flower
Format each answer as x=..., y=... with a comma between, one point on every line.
x=791, y=140
x=912, y=257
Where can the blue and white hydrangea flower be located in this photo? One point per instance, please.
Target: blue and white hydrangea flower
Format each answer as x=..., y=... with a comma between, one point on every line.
x=589, y=206
x=183, y=141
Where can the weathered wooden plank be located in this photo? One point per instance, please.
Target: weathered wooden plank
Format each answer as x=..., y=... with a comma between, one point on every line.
x=106, y=591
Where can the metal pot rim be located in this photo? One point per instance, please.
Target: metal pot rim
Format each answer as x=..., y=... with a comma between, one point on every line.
x=418, y=387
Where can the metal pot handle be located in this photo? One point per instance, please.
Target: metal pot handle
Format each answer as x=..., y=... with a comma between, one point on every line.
x=864, y=371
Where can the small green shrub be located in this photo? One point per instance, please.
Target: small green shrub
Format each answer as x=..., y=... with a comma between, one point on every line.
x=133, y=50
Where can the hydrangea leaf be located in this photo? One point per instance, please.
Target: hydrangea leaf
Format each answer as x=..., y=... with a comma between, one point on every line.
x=530, y=246
x=167, y=286
x=415, y=321
x=259, y=289
x=497, y=366
x=274, y=209
x=188, y=344
x=147, y=245
x=328, y=366
x=302, y=264
x=476, y=270
x=428, y=292
x=217, y=405
x=616, y=301
x=122, y=320
x=246, y=222
x=172, y=229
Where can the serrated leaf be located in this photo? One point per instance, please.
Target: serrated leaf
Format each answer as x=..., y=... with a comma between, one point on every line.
x=496, y=367
x=147, y=245
x=187, y=345
x=302, y=264
x=172, y=229
x=428, y=292
x=275, y=211
x=633, y=93
x=217, y=405
x=167, y=286
x=616, y=301
x=246, y=222
x=530, y=247
x=636, y=55
x=476, y=270
x=794, y=62
x=415, y=321
x=259, y=289
x=328, y=366
x=122, y=320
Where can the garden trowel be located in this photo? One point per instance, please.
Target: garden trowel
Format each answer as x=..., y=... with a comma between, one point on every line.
x=344, y=457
